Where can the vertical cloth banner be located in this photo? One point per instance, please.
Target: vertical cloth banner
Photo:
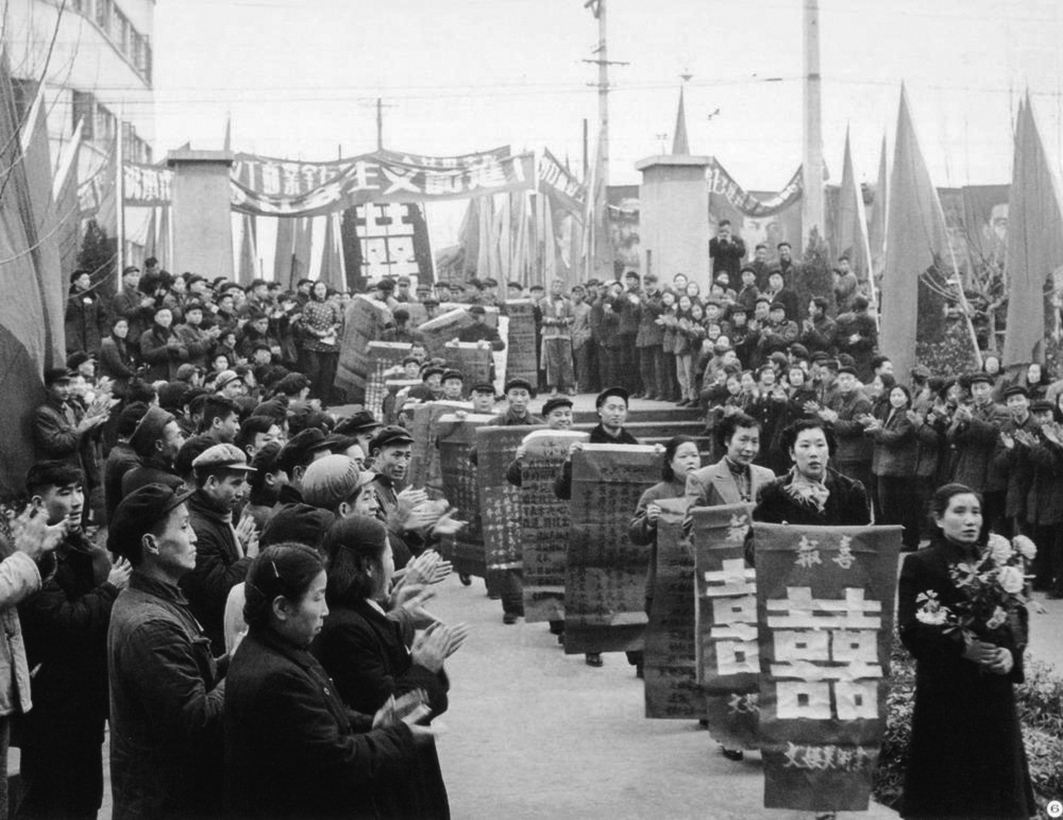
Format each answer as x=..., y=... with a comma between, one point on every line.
x=728, y=664
x=383, y=356
x=545, y=523
x=670, y=660
x=520, y=351
x=825, y=598
x=496, y=447
x=605, y=581
x=469, y=359
x=424, y=462
x=364, y=322
x=457, y=435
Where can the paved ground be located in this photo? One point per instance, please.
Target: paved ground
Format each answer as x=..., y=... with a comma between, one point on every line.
x=533, y=733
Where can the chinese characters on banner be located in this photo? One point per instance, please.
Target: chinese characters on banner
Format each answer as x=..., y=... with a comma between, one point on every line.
x=728, y=661
x=147, y=185
x=670, y=661
x=465, y=549
x=825, y=599
x=364, y=321
x=521, y=361
x=545, y=523
x=605, y=581
x=382, y=357
x=496, y=447
x=424, y=465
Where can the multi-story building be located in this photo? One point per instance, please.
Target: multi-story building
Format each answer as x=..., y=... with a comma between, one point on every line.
x=95, y=57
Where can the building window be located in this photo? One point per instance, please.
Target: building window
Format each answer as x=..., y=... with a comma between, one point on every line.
x=82, y=105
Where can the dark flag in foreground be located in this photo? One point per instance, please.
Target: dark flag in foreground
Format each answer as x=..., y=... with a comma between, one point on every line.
x=825, y=600
x=728, y=664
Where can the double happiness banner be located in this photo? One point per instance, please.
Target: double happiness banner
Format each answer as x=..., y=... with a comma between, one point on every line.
x=825, y=613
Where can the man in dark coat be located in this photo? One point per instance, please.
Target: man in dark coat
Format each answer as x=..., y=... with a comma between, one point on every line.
x=629, y=308
x=166, y=688
x=156, y=441
x=611, y=406
x=848, y=414
x=857, y=335
x=65, y=630
x=818, y=330
x=655, y=381
x=726, y=251
x=480, y=331
x=86, y=315
x=223, y=552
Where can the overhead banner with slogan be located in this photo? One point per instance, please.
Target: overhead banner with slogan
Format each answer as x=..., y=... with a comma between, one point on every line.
x=557, y=181
x=268, y=186
x=722, y=184
x=825, y=599
x=545, y=523
x=725, y=620
x=457, y=435
x=605, y=582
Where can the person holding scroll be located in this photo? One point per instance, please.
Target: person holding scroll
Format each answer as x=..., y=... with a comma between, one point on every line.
x=681, y=458
x=611, y=406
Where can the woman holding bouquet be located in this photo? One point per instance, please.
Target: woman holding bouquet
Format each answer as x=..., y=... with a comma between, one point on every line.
x=966, y=757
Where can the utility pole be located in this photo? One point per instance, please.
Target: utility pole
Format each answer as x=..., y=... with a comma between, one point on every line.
x=812, y=208
x=602, y=267
x=380, y=106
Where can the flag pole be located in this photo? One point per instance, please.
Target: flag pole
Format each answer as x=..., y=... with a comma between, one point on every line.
x=119, y=197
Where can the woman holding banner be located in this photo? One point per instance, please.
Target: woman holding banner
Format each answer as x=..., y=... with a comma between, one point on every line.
x=681, y=457
x=966, y=757
x=812, y=494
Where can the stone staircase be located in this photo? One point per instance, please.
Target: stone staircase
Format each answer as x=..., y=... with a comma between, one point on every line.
x=654, y=422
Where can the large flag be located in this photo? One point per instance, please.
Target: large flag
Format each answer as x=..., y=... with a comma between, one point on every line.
x=42, y=229
x=22, y=338
x=247, y=269
x=65, y=195
x=332, y=257
x=283, y=254
x=597, y=249
x=916, y=242
x=877, y=229
x=852, y=237
x=1035, y=248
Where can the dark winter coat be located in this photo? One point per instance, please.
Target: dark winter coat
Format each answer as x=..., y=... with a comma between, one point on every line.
x=116, y=362
x=974, y=442
x=292, y=749
x=219, y=567
x=166, y=707
x=65, y=630
x=86, y=321
x=563, y=483
x=966, y=757
x=162, y=357
x=896, y=450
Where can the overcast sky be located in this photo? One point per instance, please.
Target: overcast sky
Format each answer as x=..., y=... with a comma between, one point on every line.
x=300, y=78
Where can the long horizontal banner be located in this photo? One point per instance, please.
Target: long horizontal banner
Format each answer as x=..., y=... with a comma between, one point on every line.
x=722, y=184
x=274, y=187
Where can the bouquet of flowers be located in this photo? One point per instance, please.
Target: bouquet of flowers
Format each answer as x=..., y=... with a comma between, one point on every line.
x=994, y=590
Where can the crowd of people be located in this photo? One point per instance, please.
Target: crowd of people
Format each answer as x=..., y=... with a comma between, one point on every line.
x=199, y=506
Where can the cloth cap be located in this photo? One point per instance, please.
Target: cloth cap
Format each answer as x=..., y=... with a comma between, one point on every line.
x=301, y=445
x=552, y=404
x=186, y=372
x=1016, y=390
x=141, y=510
x=483, y=387
x=55, y=375
x=611, y=391
x=224, y=378
x=330, y=480
x=228, y=456
x=301, y=523
x=979, y=377
x=518, y=383
x=921, y=371
x=389, y=436
x=847, y=368
x=361, y=421
x=453, y=374
x=478, y=310
x=1042, y=406
x=149, y=430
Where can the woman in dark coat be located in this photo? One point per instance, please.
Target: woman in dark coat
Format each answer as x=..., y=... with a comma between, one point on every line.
x=811, y=493
x=893, y=463
x=681, y=457
x=116, y=357
x=161, y=348
x=966, y=757
x=292, y=748
x=85, y=317
x=373, y=657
